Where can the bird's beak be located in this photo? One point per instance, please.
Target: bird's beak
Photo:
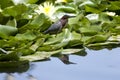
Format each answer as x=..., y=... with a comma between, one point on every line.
x=71, y=16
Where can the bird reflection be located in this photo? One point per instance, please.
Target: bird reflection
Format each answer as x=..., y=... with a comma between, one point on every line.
x=31, y=77
x=65, y=59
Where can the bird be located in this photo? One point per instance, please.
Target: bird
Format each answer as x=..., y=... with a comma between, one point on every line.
x=58, y=26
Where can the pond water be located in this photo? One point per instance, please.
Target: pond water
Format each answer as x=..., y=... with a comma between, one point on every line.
x=96, y=65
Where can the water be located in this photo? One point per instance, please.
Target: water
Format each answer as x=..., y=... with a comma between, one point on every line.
x=96, y=65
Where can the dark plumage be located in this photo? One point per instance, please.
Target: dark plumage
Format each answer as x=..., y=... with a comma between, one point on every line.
x=58, y=26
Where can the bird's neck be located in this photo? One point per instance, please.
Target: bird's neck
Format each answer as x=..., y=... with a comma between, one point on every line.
x=64, y=22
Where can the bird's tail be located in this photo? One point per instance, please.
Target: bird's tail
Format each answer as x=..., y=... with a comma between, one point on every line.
x=45, y=32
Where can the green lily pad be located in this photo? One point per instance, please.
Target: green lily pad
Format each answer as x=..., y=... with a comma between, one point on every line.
x=6, y=31
x=97, y=39
x=39, y=55
x=9, y=57
x=14, y=10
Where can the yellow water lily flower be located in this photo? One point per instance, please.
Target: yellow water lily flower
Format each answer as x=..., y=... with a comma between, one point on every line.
x=47, y=8
x=58, y=1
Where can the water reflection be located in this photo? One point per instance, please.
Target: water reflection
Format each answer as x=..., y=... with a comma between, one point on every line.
x=9, y=77
x=31, y=77
x=65, y=59
x=14, y=66
x=96, y=65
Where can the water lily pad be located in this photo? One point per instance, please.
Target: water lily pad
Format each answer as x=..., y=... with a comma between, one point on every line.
x=39, y=55
x=70, y=51
x=9, y=57
x=14, y=10
x=6, y=31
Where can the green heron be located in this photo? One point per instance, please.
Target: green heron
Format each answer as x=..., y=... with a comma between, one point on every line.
x=58, y=26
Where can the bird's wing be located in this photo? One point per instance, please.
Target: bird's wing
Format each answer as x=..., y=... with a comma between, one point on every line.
x=54, y=28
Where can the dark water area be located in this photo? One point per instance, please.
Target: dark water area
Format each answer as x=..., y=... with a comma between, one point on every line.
x=96, y=65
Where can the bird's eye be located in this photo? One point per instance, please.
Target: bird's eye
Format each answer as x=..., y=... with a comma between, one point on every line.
x=64, y=18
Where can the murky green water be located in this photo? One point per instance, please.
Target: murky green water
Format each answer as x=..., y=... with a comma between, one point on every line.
x=96, y=65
